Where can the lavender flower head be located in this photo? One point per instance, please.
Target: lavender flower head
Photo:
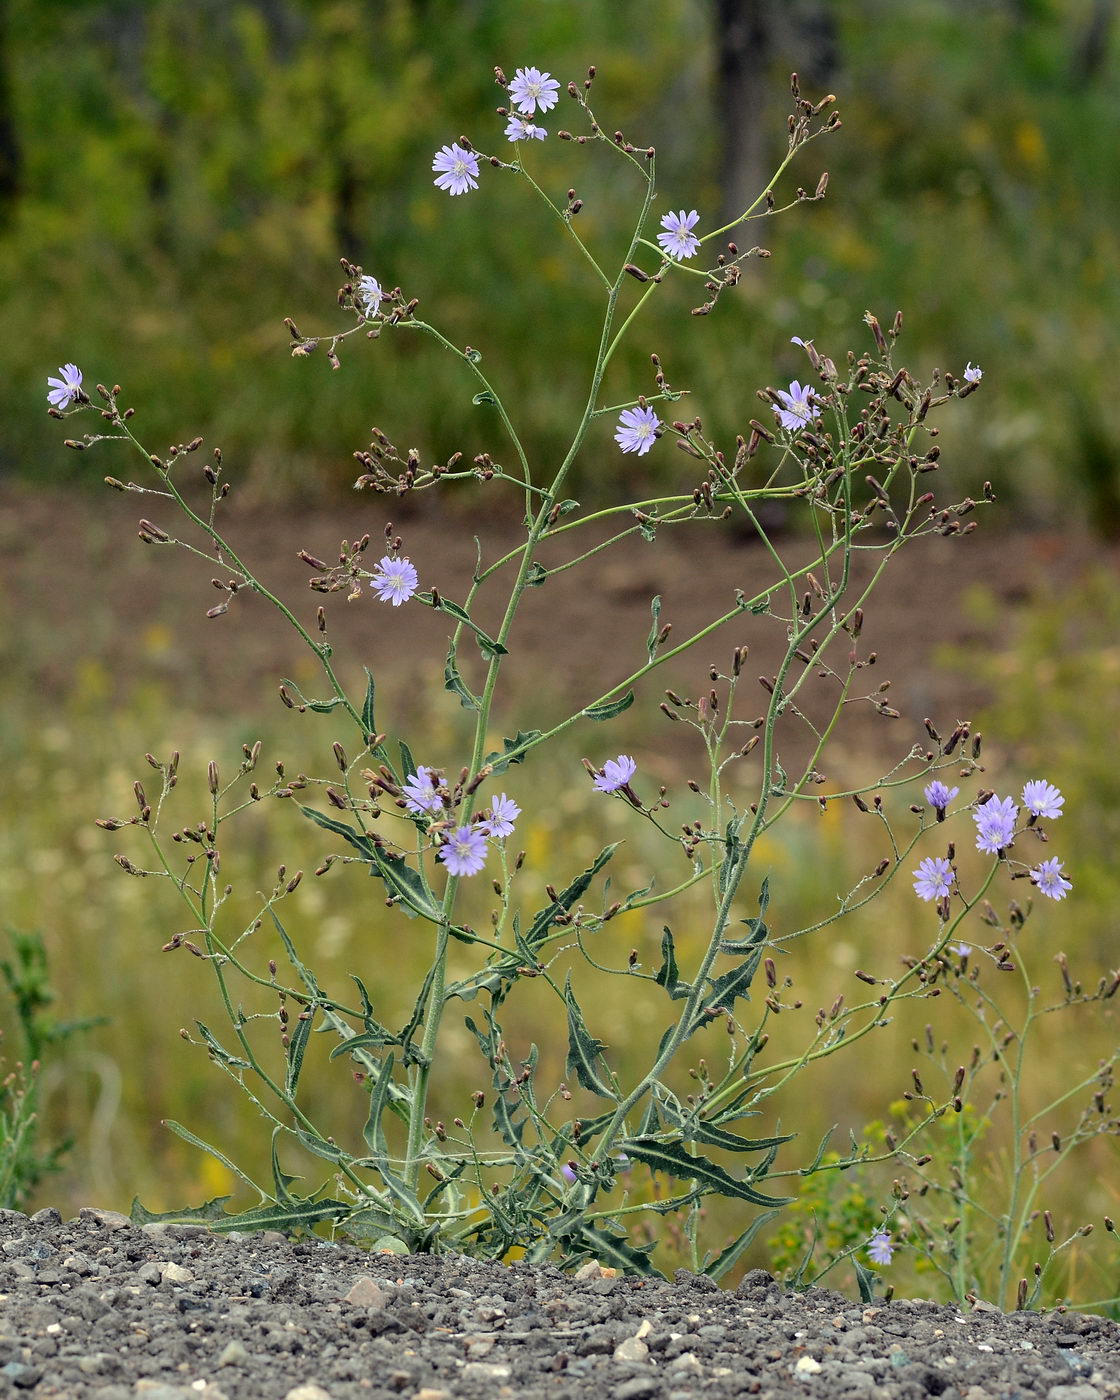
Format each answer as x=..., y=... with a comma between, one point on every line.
x=458, y=167
x=62, y=392
x=1042, y=799
x=962, y=950
x=616, y=773
x=637, y=430
x=518, y=129
x=370, y=295
x=879, y=1247
x=935, y=878
x=797, y=411
x=678, y=240
x=531, y=89
x=464, y=851
x=939, y=796
x=567, y=1171
x=421, y=791
x=973, y=373
x=995, y=824
x=394, y=580
x=1050, y=880
x=504, y=811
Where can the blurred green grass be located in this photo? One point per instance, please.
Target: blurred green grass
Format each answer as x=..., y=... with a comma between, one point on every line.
x=192, y=173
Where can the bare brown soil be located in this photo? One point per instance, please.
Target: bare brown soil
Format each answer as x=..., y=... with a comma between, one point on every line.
x=79, y=584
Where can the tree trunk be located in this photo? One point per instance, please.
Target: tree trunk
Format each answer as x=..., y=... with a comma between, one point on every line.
x=11, y=165
x=743, y=41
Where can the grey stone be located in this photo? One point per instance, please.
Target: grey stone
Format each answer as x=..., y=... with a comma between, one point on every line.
x=309, y=1391
x=632, y=1349
x=491, y=1372
x=637, y=1389
x=1073, y=1392
x=106, y=1219
x=47, y=1216
x=233, y=1353
x=365, y=1292
x=175, y=1273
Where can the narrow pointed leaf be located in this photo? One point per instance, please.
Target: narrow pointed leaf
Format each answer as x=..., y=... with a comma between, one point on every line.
x=566, y=898
x=655, y=629
x=727, y=1258
x=368, y=722
x=453, y=681
x=609, y=709
x=668, y=976
x=675, y=1161
x=218, y=1051
x=585, y=1053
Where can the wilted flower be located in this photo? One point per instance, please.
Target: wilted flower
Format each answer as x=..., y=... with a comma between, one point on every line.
x=1050, y=880
x=798, y=411
x=616, y=773
x=62, y=392
x=369, y=290
x=394, y=580
x=504, y=811
x=678, y=240
x=459, y=169
x=421, y=791
x=939, y=796
x=518, y=129
x=637, y=430
x=934, y=878
x=531, y=89
x=973, y=373
x=995, y=824
x=464, y=851
x=1042, y=799
x=962, y=950
x=879, y=1247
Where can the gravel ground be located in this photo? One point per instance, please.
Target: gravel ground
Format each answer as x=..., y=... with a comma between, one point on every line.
x=97, y=1306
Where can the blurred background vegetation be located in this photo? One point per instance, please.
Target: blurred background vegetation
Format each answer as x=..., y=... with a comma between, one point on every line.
x=175, y=178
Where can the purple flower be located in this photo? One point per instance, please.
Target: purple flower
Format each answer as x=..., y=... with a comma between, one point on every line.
x=459, y=169
x=62, y=392
x=421, y=791
x=1050, y=880
x=531, y=89
x=973, y=373
x=962, y=950
x=879, y=1247
x=637, y=430
x=616, y=773
x=504, y=811
x=678, y=240
x=939, y=796
x=568, y=1172
x=1042, y=799
x=394, y=580
x=798, y=411
x=518, y=129
x=464, y=851
x=370, y=294
x=995, y=824
x=934, y=878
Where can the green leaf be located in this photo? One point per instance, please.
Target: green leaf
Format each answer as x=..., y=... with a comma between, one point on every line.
x=668, y=976
x=368, y=723
x=380, y=1036
x=321, y=706
x=209, y=1211
x=566, y=508
x=756, y=926
x=373, y=1133
x=281, y=1180
x=358, y=839
x=218, y=1051
x=408, y=763
x=655, y=630
x=675, y=1161
x=694, y=1129
x=585, y=1053
x=299, y=1214
x=297, y=1046
x=453, y=681
x=405, y=883
x=566, y=898
x=536, y=575
x=609, y=709
x=727, y=1258
x=866, y=1280
x=486, y=644
x=617, y=1251
x=484, y=396
x=229, y=1165
x=499, y=762
x=320, y=1147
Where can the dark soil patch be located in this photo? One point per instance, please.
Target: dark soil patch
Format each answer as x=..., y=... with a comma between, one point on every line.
x=99, y=1307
